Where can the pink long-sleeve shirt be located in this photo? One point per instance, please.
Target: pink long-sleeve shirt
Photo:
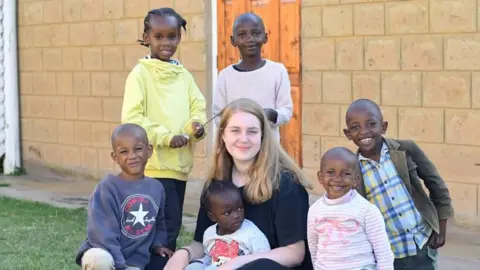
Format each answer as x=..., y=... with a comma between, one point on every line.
x=269, y=86
x=348, y=233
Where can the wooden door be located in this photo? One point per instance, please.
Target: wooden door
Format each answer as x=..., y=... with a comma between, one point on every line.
x=282, y=23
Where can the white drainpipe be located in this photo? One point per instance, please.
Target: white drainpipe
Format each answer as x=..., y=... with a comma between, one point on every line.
x=12, y=160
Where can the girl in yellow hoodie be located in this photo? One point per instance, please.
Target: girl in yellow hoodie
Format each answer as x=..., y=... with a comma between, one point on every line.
x=162, y=97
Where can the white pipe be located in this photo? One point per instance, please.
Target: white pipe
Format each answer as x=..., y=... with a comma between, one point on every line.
x=12, y=160
x=213, y=58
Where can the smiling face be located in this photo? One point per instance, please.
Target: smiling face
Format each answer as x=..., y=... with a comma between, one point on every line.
x=131, y=153
x=163, y=37
x=365, y=127
x=249, y=35
x=243, y=137
x=339, y=173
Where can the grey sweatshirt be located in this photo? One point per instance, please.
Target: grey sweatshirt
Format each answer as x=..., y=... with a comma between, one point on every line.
x=126, y=218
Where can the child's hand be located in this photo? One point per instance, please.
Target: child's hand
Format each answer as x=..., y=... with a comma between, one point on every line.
x=438, y=240
x=162, y=251
x=271, y=115
x=198, y=129
x=178, y=141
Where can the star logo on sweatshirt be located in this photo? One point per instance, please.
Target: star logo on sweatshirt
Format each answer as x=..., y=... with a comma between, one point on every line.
x=139, y=215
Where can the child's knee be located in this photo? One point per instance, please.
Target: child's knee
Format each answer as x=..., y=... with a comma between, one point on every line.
x=97, y=259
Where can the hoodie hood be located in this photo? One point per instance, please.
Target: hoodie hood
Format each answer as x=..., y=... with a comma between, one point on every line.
x=162, y=71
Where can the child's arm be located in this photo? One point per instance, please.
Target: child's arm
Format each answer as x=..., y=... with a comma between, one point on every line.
x=133, y=111
x=197, y=112
x=283, y=100
x=312, y=235
x=378, y=238
x=103, y=226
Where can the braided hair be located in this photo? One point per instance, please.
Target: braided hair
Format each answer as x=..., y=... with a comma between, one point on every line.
x=163, y=12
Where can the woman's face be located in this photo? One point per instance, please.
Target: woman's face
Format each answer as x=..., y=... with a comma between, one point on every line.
x=243, y=136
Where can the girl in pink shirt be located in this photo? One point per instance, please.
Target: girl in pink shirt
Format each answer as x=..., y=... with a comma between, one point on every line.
x=345, y=231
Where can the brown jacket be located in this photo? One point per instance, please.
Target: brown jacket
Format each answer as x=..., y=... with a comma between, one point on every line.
x=413, y=166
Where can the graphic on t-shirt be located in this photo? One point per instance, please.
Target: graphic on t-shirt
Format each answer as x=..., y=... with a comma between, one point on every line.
x=222, y=251
x=334, y=230
x=138, y=215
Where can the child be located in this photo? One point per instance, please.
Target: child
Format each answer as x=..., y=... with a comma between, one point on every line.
x=125, y=212
x=233, y=235
x=261, y=80
x=416, y=223
x=345, y=231
x=162, y=97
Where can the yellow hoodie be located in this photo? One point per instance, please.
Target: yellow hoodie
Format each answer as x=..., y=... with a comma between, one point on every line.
x=164, y=99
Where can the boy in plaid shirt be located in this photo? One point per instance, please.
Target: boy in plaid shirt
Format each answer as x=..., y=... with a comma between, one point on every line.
x=392, y=170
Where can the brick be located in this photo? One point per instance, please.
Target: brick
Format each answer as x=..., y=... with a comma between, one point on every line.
x=105, y=161
x=25, y=37
x=92, y=10
x=311, y=22
x=390, y=114
x=117, y=83
x=196, y=29
x=402, y=88
x=112, y=59
x=349, y=53
x=42, y=36
x=476, y=90
x=82, y=34
x=90, y=108
x=200, y=79
x=136, y=8
x=407, y=17
x=100, y=134
x=312, y=87
x=26, y=127
x=463, y=197
x=320, y=119
x=192, y=56
x=337, y=21
x=422, y=52
x=31, y=59
x=44, y=83
x=52, y=59
x=66, y=132
x=26, y=83
x=382, y=54
x=337, y=87
x=72, y=10
x=81, y=83
x=71, y=156
x=104, y=33
x=71, y=107
x=92, y=58
x=190, y=6
x=54, y=107
x=64, y=83
x=366, y=85
x=132, y=54
x=455, y=163
x=446, y=89
x=421, y=124
x=318, y=54
x=126, y=31
x=461, y=127
x=448, y=16
x=319, y=2
x=72, y=58
x=52, y=11
x=45, y=130
x=32, y=106
x=100, y=84
x=369, y=19
x=59, y=34
x=83, y=134
x=89, y=158
x=33, y=13
x=113, y=9
x=112, y=109
x=462, y=52
x=311, y=151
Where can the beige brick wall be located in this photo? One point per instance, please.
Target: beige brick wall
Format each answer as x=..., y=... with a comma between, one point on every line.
x=419, y=59
x=74, y=59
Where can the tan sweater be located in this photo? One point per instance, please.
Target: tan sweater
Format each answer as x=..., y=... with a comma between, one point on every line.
x=269, y=86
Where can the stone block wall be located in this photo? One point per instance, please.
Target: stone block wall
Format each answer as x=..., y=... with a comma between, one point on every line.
x=420, y=60
x=74, y=59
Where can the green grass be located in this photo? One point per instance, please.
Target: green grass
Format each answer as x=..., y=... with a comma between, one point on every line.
x=38, y=236
x=4, y=185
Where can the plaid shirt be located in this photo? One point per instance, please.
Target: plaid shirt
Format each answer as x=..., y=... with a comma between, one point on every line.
x=405, y=227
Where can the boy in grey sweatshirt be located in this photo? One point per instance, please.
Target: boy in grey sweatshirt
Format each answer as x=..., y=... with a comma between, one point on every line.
x=126, y=220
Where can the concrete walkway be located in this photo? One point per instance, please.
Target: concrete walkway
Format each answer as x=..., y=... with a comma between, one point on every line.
x=461, y=252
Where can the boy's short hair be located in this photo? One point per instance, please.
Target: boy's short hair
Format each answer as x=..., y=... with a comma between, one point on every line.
x=217, y=187
x=131, y=129
x=345, y=153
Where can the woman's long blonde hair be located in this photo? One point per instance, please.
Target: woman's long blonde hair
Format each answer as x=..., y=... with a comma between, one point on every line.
x=270, y=162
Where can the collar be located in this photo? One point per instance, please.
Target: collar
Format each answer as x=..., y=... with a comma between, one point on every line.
x=383, y=151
